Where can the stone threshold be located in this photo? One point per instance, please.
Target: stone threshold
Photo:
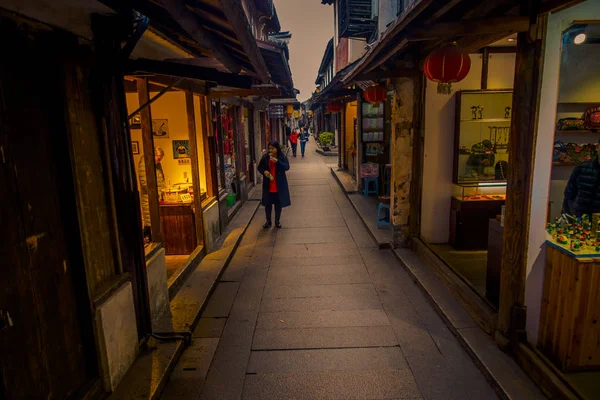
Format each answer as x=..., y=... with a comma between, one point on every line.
x=149, y=374
x=327, y=153
x=503, y=372
x=383, y=238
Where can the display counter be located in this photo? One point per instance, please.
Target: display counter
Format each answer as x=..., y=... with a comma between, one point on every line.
x=178, y=228
x=471, y=208
x=570, y=315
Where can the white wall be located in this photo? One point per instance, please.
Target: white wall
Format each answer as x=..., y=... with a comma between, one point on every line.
x=542, y=168
x=387, y=14
x=439, y=142
x=356, y=49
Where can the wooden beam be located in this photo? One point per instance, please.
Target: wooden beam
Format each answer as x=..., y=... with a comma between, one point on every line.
x=392, y=51
x=154, y=67
x=447, y=30
x=528, y=71
x=148, y=146
x=396, y=73
x=191, y=123
x=237, y=18
x=445, y=8
x=558, y=5
x=210, y=163
x=189, y=22
x=245, y=92
x=485, y=68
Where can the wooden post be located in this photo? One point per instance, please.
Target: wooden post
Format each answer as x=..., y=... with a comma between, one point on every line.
x=511, y=316
x=402, y=134
x=418, y=143
x=210, y=152
x=191, y=120
x=341, y=117
x=359, y=139
x=148, y=146
x=485, y=68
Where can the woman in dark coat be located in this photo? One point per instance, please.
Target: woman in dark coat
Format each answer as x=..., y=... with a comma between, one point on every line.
x=275, y=186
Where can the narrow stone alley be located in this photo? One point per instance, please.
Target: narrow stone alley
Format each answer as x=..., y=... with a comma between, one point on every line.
x=316, y=311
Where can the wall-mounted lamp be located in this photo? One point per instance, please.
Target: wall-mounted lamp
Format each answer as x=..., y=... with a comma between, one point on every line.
x=579, y=39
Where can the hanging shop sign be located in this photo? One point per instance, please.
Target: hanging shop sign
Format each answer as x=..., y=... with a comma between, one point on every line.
x=447, y=65
x=375, y=94
x=334, y=107
x=290, y=110
x=276, y=111
x=296, y=114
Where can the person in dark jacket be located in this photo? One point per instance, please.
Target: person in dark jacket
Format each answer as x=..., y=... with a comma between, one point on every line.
x=303, y=139
x=582, y=194
x=275, y=186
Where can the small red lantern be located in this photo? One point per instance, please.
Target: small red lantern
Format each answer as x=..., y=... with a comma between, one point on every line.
x=375, y=94
x=334, y=107
x=447, y=65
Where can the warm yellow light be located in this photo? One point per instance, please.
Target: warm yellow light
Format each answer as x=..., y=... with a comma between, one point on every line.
x=579, y=39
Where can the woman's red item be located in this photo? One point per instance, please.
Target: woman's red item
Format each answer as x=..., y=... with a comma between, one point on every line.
x=273, y=183
x=294, y=137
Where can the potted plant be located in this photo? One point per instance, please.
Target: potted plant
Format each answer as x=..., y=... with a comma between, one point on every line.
x=325, y=139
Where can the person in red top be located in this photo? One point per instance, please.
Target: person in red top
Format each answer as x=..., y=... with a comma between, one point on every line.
x=275, y=186
x=294, y=140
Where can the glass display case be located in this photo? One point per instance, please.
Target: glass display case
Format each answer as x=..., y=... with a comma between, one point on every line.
x=479, y=191
x=482, y=131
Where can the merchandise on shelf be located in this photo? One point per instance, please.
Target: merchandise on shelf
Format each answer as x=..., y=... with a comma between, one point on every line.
x=575, y=232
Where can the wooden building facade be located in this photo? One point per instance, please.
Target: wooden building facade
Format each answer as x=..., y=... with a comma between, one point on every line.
x=82, y=291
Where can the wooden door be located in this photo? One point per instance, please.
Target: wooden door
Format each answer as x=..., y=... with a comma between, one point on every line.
x=48, y=350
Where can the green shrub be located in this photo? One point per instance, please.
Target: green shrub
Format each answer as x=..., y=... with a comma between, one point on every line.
x=326, y=138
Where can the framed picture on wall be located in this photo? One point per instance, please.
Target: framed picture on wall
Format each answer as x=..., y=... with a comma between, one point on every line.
x=181, y=149
x=160, y=128
x=135, y=147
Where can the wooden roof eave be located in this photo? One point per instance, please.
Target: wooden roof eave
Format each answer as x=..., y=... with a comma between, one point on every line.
x=471, y=34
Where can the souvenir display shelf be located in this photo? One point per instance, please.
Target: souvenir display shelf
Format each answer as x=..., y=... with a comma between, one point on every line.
x=374, y=136
x=488, y=191
x=482, y=131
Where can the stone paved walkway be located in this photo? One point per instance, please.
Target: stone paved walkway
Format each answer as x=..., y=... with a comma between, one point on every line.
x=316, y=311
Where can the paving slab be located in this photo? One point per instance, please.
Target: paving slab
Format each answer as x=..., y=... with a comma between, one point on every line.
x=373, y=384
x=225, y=379
x=221, y=300
x=332, y=274
x=310, y=261
x=358, y=359
x=284, y=291
x=320, y=338
x=321, y=319
x=335, y=303
x=209, y=328
x=188, y=377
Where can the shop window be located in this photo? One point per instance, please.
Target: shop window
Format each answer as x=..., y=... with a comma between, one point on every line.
x=176, y=171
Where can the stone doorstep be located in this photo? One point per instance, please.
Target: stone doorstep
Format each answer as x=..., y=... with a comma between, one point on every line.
x=147, y=377
x=497, y=366
x=327, y=153
x=381, y=245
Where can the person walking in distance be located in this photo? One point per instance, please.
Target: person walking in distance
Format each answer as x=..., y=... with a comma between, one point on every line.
x=304, y=135
x=294, y=141
x=275, y=190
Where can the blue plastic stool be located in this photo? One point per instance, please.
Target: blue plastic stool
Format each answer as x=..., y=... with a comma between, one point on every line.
x=367, y=191
x=385, y=221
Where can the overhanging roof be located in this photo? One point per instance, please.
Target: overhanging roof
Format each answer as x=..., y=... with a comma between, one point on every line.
x=426, y=24
x=278, y=65
x=210, y=30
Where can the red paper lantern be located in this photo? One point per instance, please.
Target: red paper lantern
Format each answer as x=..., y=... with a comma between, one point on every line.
x=447, y=65
x=334, y=107
x=375, y=94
